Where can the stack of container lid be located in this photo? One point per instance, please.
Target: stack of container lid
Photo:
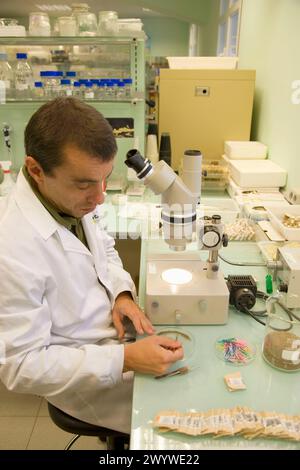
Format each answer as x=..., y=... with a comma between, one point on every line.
x=249, y=167
x=254, y=179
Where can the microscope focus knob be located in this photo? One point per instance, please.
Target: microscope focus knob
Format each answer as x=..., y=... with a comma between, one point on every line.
x=211, y=237
x=225, y=240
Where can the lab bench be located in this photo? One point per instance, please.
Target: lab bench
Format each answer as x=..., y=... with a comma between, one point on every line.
x=202, y=389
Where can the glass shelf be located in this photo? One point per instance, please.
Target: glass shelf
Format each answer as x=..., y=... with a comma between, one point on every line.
x=92, y=100
x=66, y=40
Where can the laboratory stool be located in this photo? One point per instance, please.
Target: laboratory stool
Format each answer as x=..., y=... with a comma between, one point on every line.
x=115, y=440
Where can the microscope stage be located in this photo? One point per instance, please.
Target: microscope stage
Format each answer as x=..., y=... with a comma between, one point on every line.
x=179, y=292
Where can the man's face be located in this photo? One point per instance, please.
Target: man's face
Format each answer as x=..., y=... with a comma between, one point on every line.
x=76, y=186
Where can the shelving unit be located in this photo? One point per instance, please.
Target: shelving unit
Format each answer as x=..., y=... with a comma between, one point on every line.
x=98, y=57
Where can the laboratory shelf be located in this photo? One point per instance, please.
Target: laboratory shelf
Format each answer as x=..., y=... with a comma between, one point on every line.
x=67, y=40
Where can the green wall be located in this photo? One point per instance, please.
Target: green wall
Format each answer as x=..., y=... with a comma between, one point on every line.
x=210, y=30
x=270, y=43
x=196, y=11
x=167, y=36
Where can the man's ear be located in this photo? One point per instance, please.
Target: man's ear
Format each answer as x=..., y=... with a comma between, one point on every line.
x=34, y=169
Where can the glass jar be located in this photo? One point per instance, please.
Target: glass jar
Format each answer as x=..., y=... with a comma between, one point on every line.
x=87, y=24
x=38, y=91
x=281, y=347
x=67, y=26
x=8, y=22
x=39, y=24
x=108, y=23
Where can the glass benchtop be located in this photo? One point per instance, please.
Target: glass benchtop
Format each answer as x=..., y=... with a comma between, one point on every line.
x=204, y=388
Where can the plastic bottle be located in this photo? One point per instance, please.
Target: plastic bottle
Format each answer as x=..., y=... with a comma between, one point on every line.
x=23, y=77
x=8, y=182
x=6, y=75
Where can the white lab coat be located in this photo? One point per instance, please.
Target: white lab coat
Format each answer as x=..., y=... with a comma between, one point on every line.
x=55, y=316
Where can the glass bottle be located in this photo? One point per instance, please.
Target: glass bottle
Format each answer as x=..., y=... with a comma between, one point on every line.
x=6, y=75
x=71, y=75
x=23, y=77
x=66, y=88
x=281, y=346
x=121, y=91
x=89, y=92
x=51, y=79
x=77, y=90
x=38, y=92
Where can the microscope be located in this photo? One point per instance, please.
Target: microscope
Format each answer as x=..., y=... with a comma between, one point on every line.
x=181, y=288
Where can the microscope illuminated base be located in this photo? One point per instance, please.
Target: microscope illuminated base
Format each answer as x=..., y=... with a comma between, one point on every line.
x=198, y=301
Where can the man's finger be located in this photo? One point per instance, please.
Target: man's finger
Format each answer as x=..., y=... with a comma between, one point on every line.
x=147, y=325
x=173, y=355
x=169, y=343
x=118, y=325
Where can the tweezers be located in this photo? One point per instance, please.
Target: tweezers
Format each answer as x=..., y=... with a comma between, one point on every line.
x=180, y=371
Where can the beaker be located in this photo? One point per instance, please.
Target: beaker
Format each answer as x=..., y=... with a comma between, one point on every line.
x=67, y=25
x=39, y=24
x=281, y=346
x=108, y=23
x=87, y=24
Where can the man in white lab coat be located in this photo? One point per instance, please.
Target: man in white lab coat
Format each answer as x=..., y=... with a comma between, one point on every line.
x=63, y=291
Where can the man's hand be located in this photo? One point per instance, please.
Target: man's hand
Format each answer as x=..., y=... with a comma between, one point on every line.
x=152, y=355
x=126, y=307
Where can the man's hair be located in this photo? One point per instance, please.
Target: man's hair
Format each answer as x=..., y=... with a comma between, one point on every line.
x=65, y=121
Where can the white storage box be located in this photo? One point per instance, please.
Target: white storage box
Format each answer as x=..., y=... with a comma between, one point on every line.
x=257, y=173
x=225, y=207
x=268, y=194
x=202, y=62
x=241, y=150
x=276, y=215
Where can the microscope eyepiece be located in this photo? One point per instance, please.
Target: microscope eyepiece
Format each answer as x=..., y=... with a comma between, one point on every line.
x=142, y=166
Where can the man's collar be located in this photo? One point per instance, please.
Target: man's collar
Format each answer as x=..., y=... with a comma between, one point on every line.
x=64, y=219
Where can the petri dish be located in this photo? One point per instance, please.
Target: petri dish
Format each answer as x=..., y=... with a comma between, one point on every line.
x=235, y=350
x=186, y=339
